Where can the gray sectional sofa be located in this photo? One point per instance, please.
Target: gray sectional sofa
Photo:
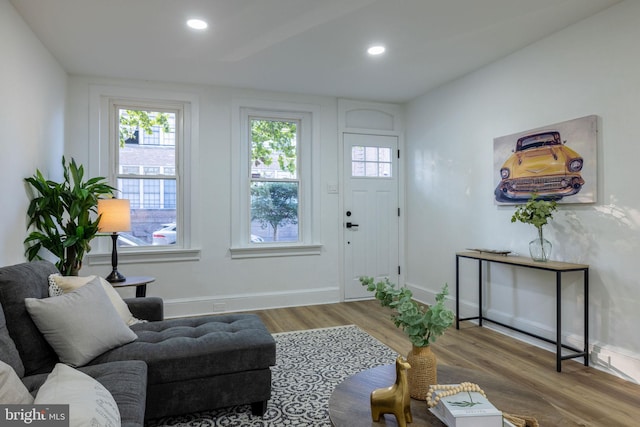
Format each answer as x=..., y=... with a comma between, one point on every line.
x=174, y=366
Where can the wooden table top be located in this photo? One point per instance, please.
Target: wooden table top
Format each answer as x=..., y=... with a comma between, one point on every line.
x=350, y=405
x=523, y=261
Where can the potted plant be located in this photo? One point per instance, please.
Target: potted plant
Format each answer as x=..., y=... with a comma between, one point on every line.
x=537, y=212
x=64, y=215
x=422, y=324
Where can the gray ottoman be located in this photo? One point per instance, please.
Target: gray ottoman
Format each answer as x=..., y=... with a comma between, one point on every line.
x=201, y=363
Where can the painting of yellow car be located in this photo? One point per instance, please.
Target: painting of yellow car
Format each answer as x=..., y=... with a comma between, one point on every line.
x=542, y=164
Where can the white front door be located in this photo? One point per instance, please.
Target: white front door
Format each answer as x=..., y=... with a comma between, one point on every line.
x=371, y=211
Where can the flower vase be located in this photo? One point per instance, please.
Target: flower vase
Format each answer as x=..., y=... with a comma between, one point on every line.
x=423, y=371
x=540, y=249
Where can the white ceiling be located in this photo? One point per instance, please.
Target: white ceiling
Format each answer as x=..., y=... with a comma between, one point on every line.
x=302, y=46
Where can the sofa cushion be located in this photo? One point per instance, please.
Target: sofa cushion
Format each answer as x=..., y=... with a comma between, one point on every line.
x=12, y=391
x=81, y=324
x=126, y=381
x=198, y=347
x=17, y=282
x=90, y=403
x=8, y=352
x=59, y=285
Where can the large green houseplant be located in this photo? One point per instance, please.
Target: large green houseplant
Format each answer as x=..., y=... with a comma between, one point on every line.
x=537, y=212
x=64, y=215
x=422, y=324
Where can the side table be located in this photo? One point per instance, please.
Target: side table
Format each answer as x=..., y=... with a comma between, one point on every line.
x=553, y=266
x=140, y=282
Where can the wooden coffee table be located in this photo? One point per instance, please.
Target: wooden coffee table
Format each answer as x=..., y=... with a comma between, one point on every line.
x=350, y=405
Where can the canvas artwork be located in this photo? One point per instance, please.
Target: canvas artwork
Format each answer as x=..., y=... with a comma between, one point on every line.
x=555, y=162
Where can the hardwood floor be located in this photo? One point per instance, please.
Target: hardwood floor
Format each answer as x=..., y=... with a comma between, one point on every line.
x=586, y=396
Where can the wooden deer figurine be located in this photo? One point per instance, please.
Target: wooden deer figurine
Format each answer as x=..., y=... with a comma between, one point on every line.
x=394, y=399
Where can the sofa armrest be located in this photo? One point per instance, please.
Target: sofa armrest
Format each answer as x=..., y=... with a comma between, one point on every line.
x=147, y=308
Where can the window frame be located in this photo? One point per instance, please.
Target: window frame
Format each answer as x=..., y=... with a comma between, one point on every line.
x=307, y=153
x=103, y=128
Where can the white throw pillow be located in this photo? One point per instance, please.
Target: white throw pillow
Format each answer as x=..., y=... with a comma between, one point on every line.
x=12, y=390
x=59, y=285
x=81, y=324
x=90, y=403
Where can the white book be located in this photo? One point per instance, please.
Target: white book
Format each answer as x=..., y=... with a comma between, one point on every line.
x=467, y=409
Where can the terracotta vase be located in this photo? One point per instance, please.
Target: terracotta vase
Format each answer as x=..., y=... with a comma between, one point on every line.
x=423, y=371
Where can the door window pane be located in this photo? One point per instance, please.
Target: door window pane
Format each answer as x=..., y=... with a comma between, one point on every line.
x=371, y=162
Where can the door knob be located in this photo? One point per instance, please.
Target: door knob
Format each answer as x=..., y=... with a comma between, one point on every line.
x=350, y=225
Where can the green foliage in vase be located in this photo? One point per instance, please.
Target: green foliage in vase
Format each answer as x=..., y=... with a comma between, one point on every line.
x=535, y=212
x=422, y=324
x=63, y=215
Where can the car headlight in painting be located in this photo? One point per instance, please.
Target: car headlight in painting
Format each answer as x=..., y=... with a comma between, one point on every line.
x=575, y=165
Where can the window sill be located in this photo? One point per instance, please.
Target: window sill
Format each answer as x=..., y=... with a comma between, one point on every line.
x=145, y=256
x=262, y=251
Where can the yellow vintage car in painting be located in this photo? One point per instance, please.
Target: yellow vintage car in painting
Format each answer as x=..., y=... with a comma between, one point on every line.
x=543, y=165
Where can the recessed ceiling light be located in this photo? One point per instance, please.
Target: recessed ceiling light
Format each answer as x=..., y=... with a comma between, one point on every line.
x=376, y=50
x=197, y=24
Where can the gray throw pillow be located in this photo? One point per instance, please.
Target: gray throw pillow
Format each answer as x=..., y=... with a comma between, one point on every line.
x=8, y=351
x=80, y=325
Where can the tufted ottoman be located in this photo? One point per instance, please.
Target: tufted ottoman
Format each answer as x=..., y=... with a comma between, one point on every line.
x=202, y=363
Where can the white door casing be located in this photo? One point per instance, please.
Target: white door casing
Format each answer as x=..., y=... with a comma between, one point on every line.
x=371, y=211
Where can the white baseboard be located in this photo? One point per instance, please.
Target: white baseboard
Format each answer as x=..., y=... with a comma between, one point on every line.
x=611, y=359
x=184, y=307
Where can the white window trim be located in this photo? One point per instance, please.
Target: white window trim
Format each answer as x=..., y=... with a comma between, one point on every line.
x=101, y=100
x=309, y=153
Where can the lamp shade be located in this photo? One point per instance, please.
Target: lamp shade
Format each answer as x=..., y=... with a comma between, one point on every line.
x=115, y=215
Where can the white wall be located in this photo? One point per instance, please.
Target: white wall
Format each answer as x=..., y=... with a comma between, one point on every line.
x=33, y=91
x=589, y=68
x=191, y=287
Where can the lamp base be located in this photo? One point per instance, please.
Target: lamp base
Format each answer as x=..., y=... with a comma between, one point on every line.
x=115, y=277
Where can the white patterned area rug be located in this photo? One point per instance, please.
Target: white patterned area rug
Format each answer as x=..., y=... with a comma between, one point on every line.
x=309, y=365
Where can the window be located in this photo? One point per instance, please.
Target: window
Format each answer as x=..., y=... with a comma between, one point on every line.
x=274, y=182
x=178, y=145
x=145, y=167
x=371, y=162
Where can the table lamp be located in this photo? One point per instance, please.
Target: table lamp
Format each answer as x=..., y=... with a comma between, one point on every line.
x=115, y=216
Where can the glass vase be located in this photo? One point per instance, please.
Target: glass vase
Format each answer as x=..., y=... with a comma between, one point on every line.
x=540, y=249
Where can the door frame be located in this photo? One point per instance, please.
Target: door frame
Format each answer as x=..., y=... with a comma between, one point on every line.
x=401, y=202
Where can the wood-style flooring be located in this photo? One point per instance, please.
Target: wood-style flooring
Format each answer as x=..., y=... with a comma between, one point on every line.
x=585, y=395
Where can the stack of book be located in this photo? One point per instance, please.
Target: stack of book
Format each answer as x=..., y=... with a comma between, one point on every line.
x=467, y=409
